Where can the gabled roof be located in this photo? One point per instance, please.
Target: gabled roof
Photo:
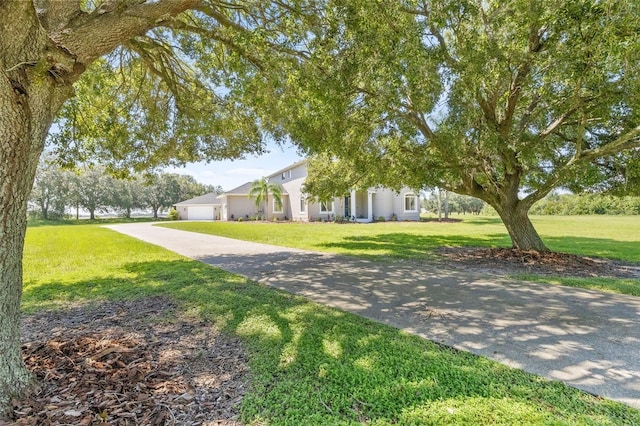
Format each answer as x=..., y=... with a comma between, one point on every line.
x=240, y=190
x=279, y=172
x=207, y=199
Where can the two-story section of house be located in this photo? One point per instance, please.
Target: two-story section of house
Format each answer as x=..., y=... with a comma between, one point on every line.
x=358, y=205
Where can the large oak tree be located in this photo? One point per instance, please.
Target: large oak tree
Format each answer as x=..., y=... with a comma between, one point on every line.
x=149, y=91
x=500, y=100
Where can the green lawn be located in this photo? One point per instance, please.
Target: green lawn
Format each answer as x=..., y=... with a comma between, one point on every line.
x=310, y=364
x=614, y=237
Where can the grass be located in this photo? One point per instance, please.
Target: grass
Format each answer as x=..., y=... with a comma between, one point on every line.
x=377, y=240
x=616, y=237
x=612, y=237
x=310, y=364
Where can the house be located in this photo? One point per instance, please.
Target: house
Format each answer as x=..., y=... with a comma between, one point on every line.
x=359, y=205
x=204, y=207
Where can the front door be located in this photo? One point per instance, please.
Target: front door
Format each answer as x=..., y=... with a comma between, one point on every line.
x=347, y=207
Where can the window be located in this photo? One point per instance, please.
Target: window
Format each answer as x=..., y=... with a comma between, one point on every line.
x=277, y=206
x=303, y=205
x=286, y=174
x=326, y=207
x=410, y=202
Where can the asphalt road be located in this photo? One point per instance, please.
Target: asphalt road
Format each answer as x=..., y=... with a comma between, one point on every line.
x=587, y=339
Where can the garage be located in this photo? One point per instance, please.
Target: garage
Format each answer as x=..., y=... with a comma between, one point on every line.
x=204, y=207
x=200, y=212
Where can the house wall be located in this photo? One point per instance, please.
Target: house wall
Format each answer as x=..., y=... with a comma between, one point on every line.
x=384, y=204
x=183, y=212
x=243, y=205
x=239, y=206
x=362, y=205
x=292, y=182
x=387, y=202
x=286, y=208
x=409, y=215
x=338, y=206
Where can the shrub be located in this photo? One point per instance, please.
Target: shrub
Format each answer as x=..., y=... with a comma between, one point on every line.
x=240, y=219
x=381, y=219
x=173, y=214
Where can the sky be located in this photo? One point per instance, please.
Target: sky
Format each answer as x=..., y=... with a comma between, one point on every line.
x=232, y=173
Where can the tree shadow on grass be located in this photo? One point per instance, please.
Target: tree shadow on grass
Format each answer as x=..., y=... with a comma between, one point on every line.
x=407, y=245
x=314, y=364
x=410, y=245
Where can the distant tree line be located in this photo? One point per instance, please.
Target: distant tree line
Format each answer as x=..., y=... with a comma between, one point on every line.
x=444, y=202
x=584, y=204
x=56, y=192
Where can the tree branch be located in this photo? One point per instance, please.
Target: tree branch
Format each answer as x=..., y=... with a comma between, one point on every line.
x=214, y=35
x=418, y=120
x=103, y=30
x=552, y=127
x=55, y=14
x=630, y=139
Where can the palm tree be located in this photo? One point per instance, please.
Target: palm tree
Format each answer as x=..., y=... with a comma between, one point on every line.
x=260, y=190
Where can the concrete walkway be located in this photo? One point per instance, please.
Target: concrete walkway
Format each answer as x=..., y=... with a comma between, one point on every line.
x=588, y=339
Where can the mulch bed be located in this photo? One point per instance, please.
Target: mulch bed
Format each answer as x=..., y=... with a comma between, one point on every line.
x=513, y=261
x=130, y=363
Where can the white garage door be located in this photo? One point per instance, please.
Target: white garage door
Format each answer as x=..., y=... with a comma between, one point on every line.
x=200, y=213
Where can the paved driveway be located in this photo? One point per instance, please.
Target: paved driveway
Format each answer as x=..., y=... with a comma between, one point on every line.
x=588, y=339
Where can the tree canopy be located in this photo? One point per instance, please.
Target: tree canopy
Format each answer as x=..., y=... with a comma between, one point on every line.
x=157, y=82
x=169, y=95
x=500, y=100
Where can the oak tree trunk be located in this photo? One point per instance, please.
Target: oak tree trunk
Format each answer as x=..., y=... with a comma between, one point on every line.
x=15, y=184
x=45, y=46
x=25, y=117
x=524, y=236
x=29, y=99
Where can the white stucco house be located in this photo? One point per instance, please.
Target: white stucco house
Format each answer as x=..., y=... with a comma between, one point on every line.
x=359, y=205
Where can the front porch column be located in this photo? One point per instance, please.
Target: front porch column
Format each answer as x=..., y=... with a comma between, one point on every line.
x=370, y=206
x=353, y=205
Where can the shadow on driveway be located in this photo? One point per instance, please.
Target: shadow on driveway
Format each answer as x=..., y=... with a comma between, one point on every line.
x=588, y=339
